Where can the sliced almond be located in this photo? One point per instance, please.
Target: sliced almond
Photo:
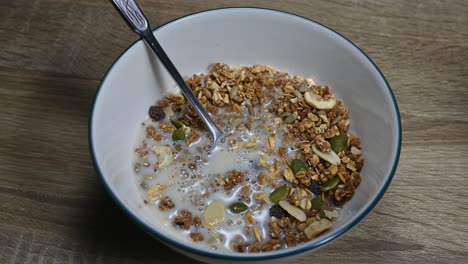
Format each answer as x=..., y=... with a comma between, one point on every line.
x=318, y=102
x=294, y=211
x=328, y=156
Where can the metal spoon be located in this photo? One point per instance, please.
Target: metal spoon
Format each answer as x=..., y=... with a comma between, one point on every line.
x=136, y=20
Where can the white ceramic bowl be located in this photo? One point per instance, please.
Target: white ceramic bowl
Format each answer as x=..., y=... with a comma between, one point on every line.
x=244, y=36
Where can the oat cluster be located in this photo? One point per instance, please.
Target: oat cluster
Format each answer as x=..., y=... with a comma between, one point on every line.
x=307, y=189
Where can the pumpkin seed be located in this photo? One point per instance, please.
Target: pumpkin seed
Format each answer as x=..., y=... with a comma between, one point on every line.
x=179, y=134
x=338, y=143
x=303, y=88
x=331, y=184
x=238, y=207
x=317, y=203
x=298, y=95
x=279, y=194
x=297, y=165
x=213, y=215
x=177, y=123
x=290, y=119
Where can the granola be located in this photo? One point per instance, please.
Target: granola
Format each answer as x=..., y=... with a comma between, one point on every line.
x=287, y=165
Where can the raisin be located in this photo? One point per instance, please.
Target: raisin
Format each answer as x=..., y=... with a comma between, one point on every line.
x=156, y=113
x=314, y=187
x=278, y=212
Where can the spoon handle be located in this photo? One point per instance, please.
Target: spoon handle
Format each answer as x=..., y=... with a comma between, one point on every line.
x=136, y=20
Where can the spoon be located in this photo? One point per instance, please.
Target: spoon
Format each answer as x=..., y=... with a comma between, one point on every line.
x=137, y=21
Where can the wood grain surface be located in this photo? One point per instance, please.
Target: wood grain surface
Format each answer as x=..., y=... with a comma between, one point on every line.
x=53, y=53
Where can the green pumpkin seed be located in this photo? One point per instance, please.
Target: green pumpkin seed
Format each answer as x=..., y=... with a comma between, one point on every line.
x=298, y=95
x=303, y=88
x=238, y=207
x=177, y=123
x=279, y=194
x=290, y=119
x=297, y=165
x=331, y=184
x=179, y=134
x=317, y=203
x=338, y=143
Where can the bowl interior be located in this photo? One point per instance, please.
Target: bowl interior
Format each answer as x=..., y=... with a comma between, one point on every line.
x=244, y=36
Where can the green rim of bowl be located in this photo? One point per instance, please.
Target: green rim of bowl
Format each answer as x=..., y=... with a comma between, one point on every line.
x=270, y=255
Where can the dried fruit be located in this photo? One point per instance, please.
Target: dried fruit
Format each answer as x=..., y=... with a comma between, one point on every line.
x=156, y=113
x=297, y=165
x=279, y=194
x=338, y=143
x=331, y=184
x=179, y=134
x=213, y=215
x=238, y=207
x=314, y=187
x=278, y=212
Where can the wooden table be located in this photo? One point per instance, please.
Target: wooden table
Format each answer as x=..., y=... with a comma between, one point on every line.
x=53, y=54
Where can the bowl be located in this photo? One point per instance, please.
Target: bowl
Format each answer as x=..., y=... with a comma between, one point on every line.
x=245, y=36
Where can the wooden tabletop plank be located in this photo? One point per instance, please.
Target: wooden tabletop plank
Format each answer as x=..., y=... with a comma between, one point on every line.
x=53, y=209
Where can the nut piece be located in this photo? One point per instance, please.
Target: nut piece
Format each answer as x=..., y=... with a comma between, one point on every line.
x=258, y=234
x=318, y=102
x=155, y=192
x=294, y=211
x=164, y=154
x=328, y=156
x=331, y=214
x=271, y=142
x=355, y=151
x=213, y=214
x=317, y=227
x=306, y=204
x=289, y=175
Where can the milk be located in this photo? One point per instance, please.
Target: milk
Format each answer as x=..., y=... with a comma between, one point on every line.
x=186, y=185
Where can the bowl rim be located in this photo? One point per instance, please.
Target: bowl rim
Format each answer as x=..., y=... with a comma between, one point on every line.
x=272, y=255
